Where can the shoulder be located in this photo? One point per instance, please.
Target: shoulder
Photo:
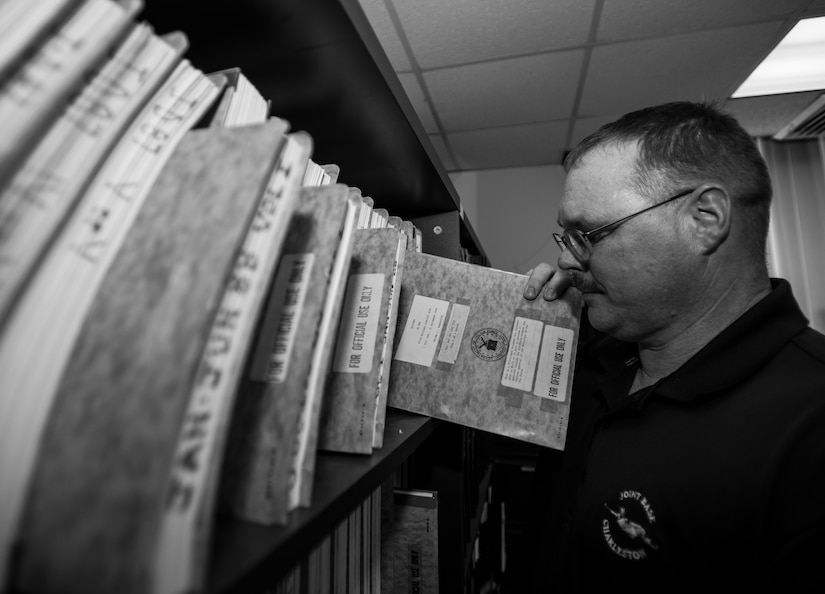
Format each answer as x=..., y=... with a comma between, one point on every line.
x=812, y=343
x=797, y=375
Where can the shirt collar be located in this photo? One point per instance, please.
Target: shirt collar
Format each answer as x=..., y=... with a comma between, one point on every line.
x=740, y=349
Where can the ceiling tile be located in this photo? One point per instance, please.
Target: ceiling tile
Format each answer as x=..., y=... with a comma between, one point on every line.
x=419, y=101
x=768, y=114
x=379, y=18
x=484, y=95
x=627, y=76
x=628, y=19
x=499, y=76
x=448, y=32
x=513, y=146
x=583, y=127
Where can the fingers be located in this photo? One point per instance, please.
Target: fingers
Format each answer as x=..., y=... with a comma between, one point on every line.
x=548, y=281
x=538, y=276
x=557, y=285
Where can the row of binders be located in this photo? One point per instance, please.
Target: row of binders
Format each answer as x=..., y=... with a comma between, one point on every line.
x=191, y=307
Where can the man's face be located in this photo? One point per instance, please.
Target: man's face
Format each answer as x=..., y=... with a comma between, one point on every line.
x=637, y=282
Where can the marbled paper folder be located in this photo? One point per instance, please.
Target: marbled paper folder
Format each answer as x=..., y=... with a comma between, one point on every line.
x=358, y=374
x=469, y=348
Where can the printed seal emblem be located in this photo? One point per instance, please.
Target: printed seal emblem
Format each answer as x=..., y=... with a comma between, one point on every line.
x=489, y=344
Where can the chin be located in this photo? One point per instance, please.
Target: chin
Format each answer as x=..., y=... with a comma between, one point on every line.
x=595, y=316
x=597, y=305
x=604, y=320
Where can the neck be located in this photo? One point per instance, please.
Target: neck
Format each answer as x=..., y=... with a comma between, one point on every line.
x=662, y=356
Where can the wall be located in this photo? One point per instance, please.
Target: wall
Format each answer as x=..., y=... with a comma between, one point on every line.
x=513, y=212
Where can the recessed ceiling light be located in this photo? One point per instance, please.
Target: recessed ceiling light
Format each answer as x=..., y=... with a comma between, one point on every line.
x=796, y=64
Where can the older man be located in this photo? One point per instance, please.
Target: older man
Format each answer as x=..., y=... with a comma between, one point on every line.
x=695, y=455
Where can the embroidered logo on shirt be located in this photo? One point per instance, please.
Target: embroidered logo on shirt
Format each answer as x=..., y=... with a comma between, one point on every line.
x=627, y=526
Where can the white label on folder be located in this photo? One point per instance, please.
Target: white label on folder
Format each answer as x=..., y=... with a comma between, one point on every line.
x=451, y=344
x=288, y=294
x=359, y=324
x=554, y=363
x=422, y=330
x=520, y=366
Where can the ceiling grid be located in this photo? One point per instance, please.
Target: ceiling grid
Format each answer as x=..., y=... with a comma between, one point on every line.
x=501, y=84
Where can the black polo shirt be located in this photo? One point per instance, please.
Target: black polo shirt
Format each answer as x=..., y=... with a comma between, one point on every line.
x=713, y=477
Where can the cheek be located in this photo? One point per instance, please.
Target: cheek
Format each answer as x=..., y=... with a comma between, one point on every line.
x=642, y=279
x=618, y=271
x=643, y=286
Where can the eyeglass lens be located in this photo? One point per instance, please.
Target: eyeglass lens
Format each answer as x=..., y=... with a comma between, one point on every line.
x=578, y=244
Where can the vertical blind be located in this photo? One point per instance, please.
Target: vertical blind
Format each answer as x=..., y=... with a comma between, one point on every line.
x=796, y=241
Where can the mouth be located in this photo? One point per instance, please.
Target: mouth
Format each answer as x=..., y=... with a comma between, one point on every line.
x=589, y=292
x=584, y=287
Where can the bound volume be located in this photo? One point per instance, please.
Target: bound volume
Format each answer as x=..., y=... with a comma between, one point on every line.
x=350, y=415
x=270, y=456
x=470, y=349
x=98, y=490
x=411, y=543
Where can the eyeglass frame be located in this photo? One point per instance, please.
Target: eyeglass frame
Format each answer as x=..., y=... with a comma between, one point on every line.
x=583, y=237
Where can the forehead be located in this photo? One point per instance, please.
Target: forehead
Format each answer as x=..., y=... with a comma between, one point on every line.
x=599, y=185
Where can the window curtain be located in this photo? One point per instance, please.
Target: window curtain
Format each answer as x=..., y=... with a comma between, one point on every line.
x=796, y=240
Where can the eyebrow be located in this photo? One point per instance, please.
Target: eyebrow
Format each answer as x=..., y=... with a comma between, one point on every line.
x=583, y=220
x=580, y=223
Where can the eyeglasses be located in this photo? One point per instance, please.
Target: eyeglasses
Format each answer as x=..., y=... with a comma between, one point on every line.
x=580, y=243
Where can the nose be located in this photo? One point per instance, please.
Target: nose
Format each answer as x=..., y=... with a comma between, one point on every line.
x=567, y=261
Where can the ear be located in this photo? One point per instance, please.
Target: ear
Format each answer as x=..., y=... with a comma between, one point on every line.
x=710, y=217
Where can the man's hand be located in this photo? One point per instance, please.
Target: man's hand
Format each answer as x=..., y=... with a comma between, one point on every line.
x=548, y=281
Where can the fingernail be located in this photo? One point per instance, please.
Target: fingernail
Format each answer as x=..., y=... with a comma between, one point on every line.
x=549, y=294
x=530, y=293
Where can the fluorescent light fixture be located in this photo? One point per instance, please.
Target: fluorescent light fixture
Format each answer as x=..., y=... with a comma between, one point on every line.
x=796, y=64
